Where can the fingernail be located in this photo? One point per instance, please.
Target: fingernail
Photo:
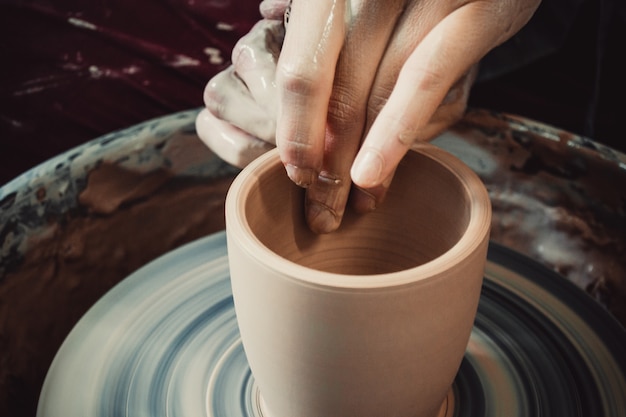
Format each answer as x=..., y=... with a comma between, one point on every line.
x=320, y=218
x=302, y=177
x=367, y=169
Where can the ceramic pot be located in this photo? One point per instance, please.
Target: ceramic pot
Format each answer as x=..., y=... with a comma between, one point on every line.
x=373, y=319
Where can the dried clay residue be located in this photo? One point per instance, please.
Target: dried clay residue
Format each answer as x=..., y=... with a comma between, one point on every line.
x=556, y=201
x=124, y=220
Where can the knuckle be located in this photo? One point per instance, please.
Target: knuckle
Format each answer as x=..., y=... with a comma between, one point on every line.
x=214, y=100
x=343, y=112
x=297, y=80
x=240, y=56
x=405, y=128
x=266, y=37
x=400, y=126
x=429, y=77
x=294, y=151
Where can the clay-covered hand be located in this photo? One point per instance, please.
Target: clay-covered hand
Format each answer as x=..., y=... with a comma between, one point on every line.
x=239, y=121
x=361, y=82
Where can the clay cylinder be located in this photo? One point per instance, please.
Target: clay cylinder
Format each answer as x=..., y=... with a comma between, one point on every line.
x=370, y=320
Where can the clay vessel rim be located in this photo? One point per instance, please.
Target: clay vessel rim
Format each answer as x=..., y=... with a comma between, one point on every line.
x=479, y=224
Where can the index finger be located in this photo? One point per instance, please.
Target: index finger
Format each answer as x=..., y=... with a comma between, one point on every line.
x=304, y=79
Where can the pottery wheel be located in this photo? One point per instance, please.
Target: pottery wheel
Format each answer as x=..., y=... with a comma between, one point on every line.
x=165, y=342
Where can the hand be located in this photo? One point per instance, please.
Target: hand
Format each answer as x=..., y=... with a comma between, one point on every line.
x=239, y=121
x=395, y=72
x=360, y=82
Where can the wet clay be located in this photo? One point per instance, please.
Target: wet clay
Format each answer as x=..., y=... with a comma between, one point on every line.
x=64, y=274
x=557, y=199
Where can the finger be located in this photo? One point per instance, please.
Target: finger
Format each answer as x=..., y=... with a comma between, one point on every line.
x=254, y=59
x=230, y=143
x=451, y=109
x=366, y=200
x=326, y=198
x=273, y=9
x=447, y=51
x=227, y=97
x=304, y=79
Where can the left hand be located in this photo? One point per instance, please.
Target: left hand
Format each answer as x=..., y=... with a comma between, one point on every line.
x=239, y=121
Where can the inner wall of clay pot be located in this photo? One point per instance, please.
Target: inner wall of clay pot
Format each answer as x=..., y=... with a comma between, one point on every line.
x=425, y=213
